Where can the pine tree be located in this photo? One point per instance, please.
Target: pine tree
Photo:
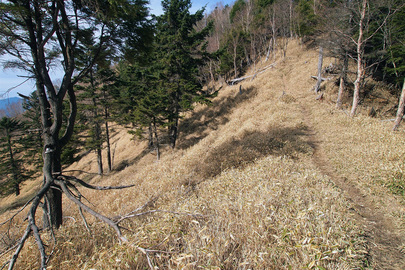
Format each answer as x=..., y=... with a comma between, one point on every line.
x=12, y=171
x=33, y=144
x=142, y=101
x=94, y=106
x=180, y=50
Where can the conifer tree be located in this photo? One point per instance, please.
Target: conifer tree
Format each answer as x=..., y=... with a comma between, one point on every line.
x=180, y=51
x=39, y=35
x=142, y=101
x=33, y=143
x=94, y=109
x=12, y=171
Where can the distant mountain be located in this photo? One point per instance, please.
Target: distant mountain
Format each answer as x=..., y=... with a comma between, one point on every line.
x=9, y=104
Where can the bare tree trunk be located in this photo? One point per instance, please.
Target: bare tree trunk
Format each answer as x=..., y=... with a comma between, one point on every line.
x=342, y=83
x=107, y=138
x=360, y=64
x=107, y=131
x=235, y=68
x=97, y=127
x=272, y=44
x=291, y=19
x=157, y=139
x=99, y=161
x=320, y=61
x=269, y=49
x=400, y=111
x=16, y=181
x=150, y=136
x=174, y=132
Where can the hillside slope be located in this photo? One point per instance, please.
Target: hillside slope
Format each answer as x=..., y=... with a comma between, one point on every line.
x=269, y=178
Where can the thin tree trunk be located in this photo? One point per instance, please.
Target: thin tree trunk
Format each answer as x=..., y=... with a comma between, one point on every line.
x=269, y=49
x=340, y=93
x=360, y=64
x=400, y=111
x=173, y=132
x=342, y=83
x=97, y=127
x=272, y=44
x=157, y=139
x=107, y=138
x=16, y=182
x=320, y=61
x=234, y=60
x=99, y=161
x=150, y=135
x=291, y=19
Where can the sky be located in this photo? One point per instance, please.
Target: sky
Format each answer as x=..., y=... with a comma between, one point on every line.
x=10, y=78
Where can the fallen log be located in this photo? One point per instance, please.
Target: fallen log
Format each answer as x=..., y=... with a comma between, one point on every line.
x=237, y=80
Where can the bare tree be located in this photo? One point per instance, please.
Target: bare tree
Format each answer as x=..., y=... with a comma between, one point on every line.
x=400, y=111
x=342, y=82
x=320, y=61
x=363, y=36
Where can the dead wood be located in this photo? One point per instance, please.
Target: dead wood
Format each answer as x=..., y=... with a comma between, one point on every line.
x=323, y=79
x=237, y=80
x=86, y=185
x=320, y=97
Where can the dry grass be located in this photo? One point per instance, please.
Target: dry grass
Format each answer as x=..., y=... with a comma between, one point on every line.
x=243, y=169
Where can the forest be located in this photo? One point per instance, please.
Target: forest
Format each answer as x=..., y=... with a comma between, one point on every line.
x=124, y=67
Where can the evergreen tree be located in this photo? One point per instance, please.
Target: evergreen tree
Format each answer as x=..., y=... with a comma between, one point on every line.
x=94, y=106
x=142, y=100
x=180, y=52
x=395, y=66
x=12, y=171
x=39, y=35
x=33, y=134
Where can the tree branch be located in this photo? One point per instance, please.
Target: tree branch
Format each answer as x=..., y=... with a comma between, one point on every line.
x=81, y=182
x=105, y=219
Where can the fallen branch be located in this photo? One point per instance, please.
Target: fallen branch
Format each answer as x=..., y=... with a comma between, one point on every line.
x=388, y=120
x=323, y=79
x=105, y=219
x=237, y=80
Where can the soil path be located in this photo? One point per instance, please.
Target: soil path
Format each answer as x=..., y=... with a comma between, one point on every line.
x=383, y=240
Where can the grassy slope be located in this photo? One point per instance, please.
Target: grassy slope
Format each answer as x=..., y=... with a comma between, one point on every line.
x=245, y=169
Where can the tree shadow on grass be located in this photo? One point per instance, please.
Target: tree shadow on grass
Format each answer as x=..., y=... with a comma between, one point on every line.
x=20, y=201
x=236, y=153
x=202, y=122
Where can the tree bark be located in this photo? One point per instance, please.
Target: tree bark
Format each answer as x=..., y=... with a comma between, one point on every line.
x=157, y=139
x=100, y=162
x=400, y=111
x=173, y=132
x=342, y=81
x=360, y=61
x=107, y=134
x=320, y=61
x=16, y=181
x=150, y=136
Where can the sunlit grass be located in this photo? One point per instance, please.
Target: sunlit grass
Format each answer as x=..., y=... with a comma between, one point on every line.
x=244, y=171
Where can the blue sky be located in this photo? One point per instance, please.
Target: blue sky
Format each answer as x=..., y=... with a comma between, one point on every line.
x=10, y=78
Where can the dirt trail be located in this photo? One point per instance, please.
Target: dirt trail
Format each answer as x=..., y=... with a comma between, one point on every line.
x=383, y=241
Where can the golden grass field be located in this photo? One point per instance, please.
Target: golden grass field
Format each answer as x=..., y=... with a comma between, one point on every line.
x=267, y=179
